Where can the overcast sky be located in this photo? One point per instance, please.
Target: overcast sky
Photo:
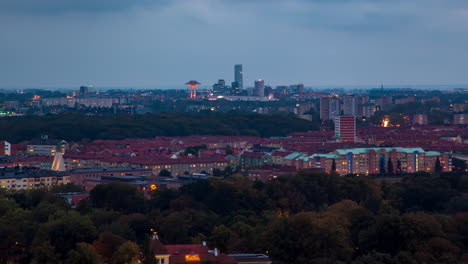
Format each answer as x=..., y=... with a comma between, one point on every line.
x=164, y=43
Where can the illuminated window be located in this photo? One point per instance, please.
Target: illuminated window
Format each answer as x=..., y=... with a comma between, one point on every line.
x=192, y=258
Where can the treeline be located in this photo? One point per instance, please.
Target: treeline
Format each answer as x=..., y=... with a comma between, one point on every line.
x=75, y=127
x=305, y=218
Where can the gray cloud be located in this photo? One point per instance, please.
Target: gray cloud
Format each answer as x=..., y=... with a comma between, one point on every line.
x=72, y=6
x=154, y=43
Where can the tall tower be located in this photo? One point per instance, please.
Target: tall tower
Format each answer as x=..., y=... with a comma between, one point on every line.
x=324, y=108
x=259, y=88
x=193, y=88
x=238, y=76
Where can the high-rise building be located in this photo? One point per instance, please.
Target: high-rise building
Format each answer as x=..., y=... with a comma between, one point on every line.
x=368, y=110
x=259, y=89
x=84, y=90
x=220, y=88
x=345, y=128
x=324, y=108
x=334, y=106
x=238, y=76
x=350, y=105
x=297, y=88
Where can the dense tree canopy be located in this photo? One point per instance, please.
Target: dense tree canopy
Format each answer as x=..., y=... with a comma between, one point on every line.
x=303, y=218
x=17, y=129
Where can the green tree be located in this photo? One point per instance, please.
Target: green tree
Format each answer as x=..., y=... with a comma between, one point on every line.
x=306, y=237
x=117, y=196
x=44, y=253
x=389, y=166
x=83, y=254
x=164, y=173
x=128, y=253
x=16, y=231
x=458, y=164
x=382, y=165
x=220, y=237
x=69, y=187
x=438, y=166
x=398, y=167
x=107, y=244
x=65, y=231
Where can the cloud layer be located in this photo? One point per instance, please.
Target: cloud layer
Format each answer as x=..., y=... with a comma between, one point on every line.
x=159, y=43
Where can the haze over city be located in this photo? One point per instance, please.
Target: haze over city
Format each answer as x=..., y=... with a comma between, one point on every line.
x=161, y=44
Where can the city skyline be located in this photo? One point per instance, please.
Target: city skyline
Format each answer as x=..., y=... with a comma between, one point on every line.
x=155, y=44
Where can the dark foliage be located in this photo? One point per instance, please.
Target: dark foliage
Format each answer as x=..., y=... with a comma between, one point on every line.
x=149, y=125
x=303, y=218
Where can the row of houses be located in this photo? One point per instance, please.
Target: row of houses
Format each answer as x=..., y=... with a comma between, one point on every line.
x=354, y=160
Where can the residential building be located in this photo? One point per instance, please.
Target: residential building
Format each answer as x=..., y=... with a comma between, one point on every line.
x=78, y=176
x=350, y=105
x=460, y=119
x=368, y=110
x=5, y=148
x=259, y=89
x=458, y=108
x=324, y=108
x=420, y=119
x=23, y=178
x=345, y=129
x=200, y=253
x=46, y=147
x=334, y=108
x=254, y=159
x=144, y=184
x=372, y=160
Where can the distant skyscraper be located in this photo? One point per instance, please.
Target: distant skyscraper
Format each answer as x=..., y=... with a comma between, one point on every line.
x=345, y=128
x=259, y=89
x=238, y=76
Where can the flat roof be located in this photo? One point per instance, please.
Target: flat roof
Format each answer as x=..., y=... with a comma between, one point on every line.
x=108, y=169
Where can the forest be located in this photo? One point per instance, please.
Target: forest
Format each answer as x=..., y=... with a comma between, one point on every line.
x=77, y=127
x=302, y=218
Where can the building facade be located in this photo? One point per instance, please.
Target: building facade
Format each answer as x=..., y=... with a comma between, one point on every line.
x=30, y=178
x=259, y=89
x=5, y=148
x=373, y=160
x=239, y=76
x=345, y=129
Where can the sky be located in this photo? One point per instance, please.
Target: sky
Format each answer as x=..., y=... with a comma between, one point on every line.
x=165, y=43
